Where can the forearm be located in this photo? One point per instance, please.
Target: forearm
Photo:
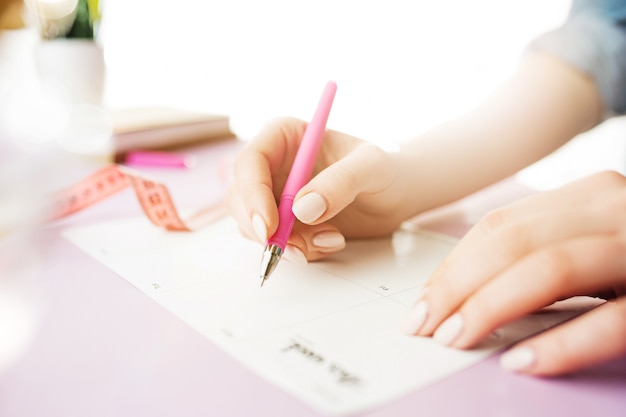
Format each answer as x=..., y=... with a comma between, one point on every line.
x=542, y=106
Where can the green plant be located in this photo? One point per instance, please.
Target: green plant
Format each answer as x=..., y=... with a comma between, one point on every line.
x=86, y=21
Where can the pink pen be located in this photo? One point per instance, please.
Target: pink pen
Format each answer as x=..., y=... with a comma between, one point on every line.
x=159, y=159
x=300, y=174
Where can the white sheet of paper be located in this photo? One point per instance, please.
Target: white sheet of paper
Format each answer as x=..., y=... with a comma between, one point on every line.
x=328, y=332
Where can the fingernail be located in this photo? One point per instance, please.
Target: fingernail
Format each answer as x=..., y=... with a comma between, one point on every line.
x=449, y=330
x=518, y=359
x=295, y=255
x=329, y=240
x=259, y=227
x=416, y=318
x=309, y=208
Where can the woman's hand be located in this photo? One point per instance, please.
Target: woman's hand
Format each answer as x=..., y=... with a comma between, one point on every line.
x=351, y=195
x=518, y=259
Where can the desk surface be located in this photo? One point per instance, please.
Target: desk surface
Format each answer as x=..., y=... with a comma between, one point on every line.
x=104, y=348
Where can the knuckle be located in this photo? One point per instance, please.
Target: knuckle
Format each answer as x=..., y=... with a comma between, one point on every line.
x=282, y=121
x=494, y=220
x=349, y=179
x=374, y=153
x=608, y=179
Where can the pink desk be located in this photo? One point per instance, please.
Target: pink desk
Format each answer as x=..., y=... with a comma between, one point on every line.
x=105, y=349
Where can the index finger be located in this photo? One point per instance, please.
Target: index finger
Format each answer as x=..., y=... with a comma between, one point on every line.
x=576, y=194
x=261, y=169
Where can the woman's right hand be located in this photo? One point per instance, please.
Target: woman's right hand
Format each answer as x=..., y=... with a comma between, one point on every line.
x=354, y=191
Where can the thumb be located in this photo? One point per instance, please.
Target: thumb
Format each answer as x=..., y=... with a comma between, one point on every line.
x=367, y=169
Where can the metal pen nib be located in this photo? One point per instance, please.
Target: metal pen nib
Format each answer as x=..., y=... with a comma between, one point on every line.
x=271, y=256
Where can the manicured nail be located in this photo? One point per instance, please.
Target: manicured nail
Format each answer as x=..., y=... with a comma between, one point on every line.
x=309, y=208
x=329, y=240
x=517, y=359
x=449, y=330
x=259, y=227
x=416, y=318
x=295, y=255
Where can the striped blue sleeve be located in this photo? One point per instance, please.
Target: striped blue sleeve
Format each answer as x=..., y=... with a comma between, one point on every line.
x=593, y=39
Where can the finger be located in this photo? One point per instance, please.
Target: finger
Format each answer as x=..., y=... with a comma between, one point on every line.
x=260, y=171
x=576, y=194
x=237, y=211
x=367, y=169
x=595, y=337
x=558, y=271
x=306, y=243
x=312, y=243
x=581, y=192
x=473, y=268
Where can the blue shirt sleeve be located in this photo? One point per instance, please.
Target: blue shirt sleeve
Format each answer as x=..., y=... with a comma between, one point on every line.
x=593, y=39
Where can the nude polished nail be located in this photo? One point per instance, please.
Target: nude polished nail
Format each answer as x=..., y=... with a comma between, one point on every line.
x=309, y=207
x=449, y=330
x=295, y=255
x=329, y=240
x=518, y=359
x=258, y=224
x=416, y=318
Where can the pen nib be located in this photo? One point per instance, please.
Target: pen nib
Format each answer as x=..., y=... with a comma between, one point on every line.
x=271, y=256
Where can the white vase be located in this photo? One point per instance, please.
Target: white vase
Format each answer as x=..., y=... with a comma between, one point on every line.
x=74, y=67
x=72, y=74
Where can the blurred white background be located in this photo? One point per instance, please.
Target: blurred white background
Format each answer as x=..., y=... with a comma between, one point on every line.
x=401, y=66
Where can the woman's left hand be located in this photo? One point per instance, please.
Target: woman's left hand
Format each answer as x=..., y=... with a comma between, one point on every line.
x=523, y=257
